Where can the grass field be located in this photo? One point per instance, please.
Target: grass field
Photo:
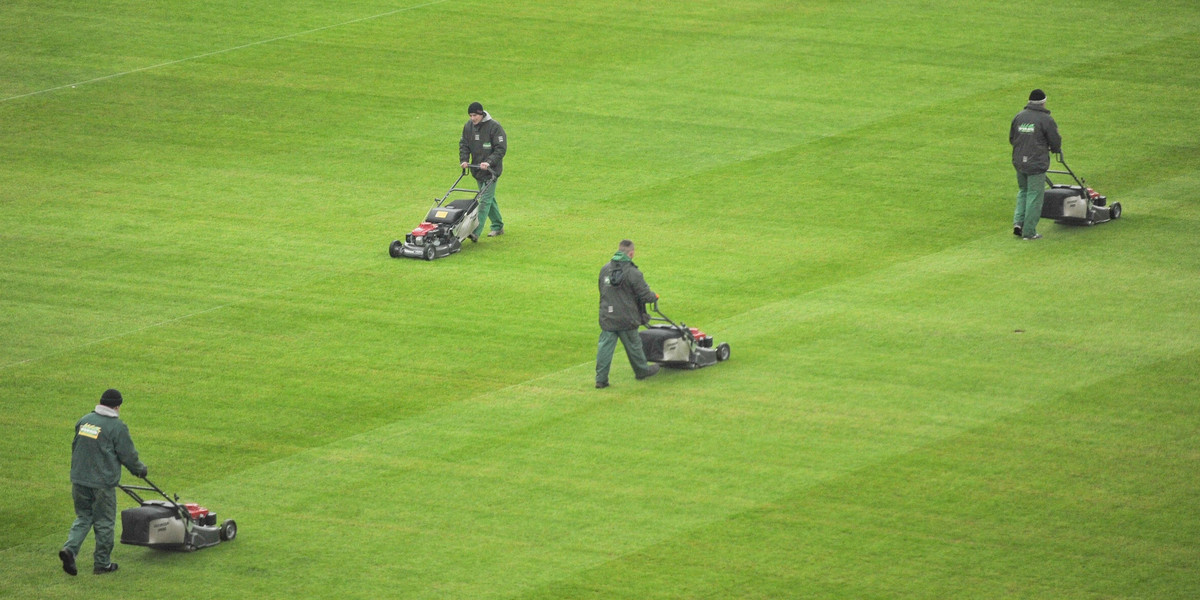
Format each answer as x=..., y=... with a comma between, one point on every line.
x=196, y=201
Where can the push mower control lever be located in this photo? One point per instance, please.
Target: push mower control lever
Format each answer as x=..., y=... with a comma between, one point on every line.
x=661, y=316
x=464, y=174
x=1079, y=180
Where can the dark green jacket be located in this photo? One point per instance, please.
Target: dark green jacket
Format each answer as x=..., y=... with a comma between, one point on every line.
x=101, y=445
x=1033, y=135
x=623, y=294
x=483, y=143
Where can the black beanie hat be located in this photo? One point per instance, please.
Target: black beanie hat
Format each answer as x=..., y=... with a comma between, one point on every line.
x=475, y=109
x=1037, y=96
x=111, y=397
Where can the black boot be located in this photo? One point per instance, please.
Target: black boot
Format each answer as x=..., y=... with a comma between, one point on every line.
x=68, y=560
x=112, y=566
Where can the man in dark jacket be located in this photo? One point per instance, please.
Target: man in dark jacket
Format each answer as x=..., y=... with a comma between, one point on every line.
x=485, y=144
x=1033, y=135
x=101, y=445
x=623, y=297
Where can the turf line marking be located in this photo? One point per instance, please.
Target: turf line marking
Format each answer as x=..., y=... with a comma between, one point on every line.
x=226, y=50
x=118, y=335
x=114, y=336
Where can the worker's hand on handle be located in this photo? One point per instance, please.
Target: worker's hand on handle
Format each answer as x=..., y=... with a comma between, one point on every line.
x=144, y=473
x=483, y=166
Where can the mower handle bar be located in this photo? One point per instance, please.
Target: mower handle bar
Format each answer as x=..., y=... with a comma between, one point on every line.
x=681, y=326
x=476, y=167
x=1068, y=171
x=455, y=188
x=661, y=316
x=129, y=489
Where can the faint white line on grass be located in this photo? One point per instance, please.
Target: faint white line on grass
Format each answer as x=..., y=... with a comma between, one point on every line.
x=102, y=340
x=158, y=324
x=215, y=52
x=118, y=335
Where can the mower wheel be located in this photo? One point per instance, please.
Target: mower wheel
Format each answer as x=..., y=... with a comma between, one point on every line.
x=228, y=530
x=1114, y=211
x=395, y=249
x=429, y=252
x=723, y=352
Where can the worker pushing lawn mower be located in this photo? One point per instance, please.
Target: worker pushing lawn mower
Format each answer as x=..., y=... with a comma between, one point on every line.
x=485, y=143
x=1034, y=136
x=624, y=295
x=481, y=149
x=101, y=446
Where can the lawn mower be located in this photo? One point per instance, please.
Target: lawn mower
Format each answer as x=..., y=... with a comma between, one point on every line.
x=1076, y=204
x=446, y=226
x=168, y=525
x=676, y=345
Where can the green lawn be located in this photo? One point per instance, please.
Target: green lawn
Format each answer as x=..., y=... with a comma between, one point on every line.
x=196, y=201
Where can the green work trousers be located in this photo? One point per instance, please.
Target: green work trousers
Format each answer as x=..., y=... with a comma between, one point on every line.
x=95, y=508
x=633, y=349
x=489, y=209
x=1029, y=202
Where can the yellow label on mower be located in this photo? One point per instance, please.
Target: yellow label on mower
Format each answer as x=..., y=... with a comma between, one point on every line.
x=441, y=214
